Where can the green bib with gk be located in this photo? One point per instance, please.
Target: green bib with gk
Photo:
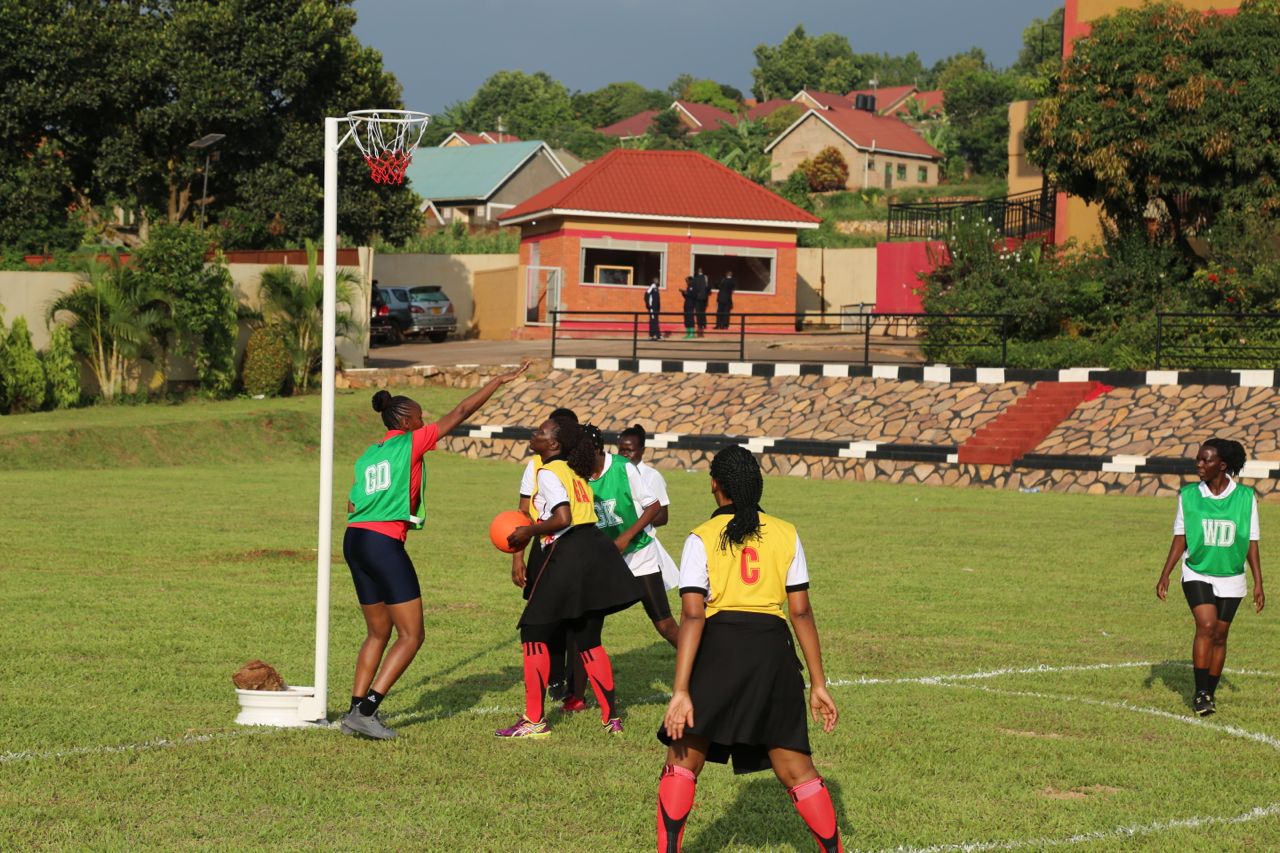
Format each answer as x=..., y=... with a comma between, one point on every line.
x=1217, y=530
x=381, y=489
x=615, y=507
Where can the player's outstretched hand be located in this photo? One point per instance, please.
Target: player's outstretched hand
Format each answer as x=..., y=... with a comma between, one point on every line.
x=679, y=715
x=513, y=374
x=520, y=537
x=1162, y=587
x=1259, y=600
x=822, y=705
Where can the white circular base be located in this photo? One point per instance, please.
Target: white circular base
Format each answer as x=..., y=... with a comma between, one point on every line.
x=273, y=707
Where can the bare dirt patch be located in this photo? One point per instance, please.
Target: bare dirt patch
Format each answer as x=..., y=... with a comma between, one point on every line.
x=1040, y=735
x=1083, y=792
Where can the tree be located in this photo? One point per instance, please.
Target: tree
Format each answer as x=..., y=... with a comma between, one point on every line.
x=615, y=102
x=973, y=59
x=117, y=319
x=61, y=370
x=1041, y=43
x=122, y=88
x=36, y=188
x=22, y=388
x=204, y=307
x=891, y=70
x=824, y=62
x=710, y=92
x=667, y=132
x=977, y=106
x=827, y=171
x=531, y=106
x=295, y=304
x=740, y=147
x=1164, y=109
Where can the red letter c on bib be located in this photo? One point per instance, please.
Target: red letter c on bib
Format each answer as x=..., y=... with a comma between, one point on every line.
x=750, y=566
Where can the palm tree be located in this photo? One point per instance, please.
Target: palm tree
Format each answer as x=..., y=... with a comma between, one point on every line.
x=294, y=303
x=117, y=318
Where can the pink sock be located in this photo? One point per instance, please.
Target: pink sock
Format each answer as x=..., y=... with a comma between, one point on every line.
x=676, y=787
x=600, y=674
x=813, y=801
x=537, y=669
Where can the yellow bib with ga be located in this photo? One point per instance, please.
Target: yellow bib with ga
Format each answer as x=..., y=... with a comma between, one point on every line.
x=582, y=505
x=751, y=577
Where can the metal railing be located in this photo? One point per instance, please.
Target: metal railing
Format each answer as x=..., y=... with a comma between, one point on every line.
x=863, y=337
x=1202, y=341
x=1022, y=216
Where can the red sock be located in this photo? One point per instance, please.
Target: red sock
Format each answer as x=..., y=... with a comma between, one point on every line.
x=600, y=674
x=676, y=787
x=813, y=801
x=537, y=669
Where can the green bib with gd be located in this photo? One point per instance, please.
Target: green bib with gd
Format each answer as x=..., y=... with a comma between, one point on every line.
x=381, y=488
x=615, y=506
x=1217, y=530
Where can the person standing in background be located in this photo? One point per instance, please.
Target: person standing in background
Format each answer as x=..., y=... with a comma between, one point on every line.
x=653, y=304
x=702, y=294
x=690, y=306
x=724, y=299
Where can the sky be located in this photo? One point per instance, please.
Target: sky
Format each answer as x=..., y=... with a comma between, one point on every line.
x=442, y=51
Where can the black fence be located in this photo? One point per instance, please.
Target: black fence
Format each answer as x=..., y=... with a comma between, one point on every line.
x=1196, y=341
x=863, y=337
x=1022, y=216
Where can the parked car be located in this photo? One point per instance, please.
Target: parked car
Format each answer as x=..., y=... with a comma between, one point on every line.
x=400, y=312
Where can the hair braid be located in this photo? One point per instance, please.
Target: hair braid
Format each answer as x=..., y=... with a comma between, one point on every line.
x=1230, y=452
x=575, y=448
x=738, y=474
x=594, y=436
x=394, y=410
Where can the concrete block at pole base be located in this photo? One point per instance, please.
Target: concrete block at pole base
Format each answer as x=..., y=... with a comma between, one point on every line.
x=293, y=707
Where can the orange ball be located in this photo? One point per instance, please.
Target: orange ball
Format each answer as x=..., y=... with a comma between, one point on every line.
x=503, y=525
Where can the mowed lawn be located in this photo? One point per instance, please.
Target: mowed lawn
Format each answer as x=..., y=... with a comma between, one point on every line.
x=148, y=552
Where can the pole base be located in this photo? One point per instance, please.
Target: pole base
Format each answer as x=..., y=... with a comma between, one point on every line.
x=291, y=708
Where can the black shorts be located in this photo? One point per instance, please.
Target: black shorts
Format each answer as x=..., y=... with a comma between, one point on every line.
x=654, y=597
x=380, y=567
x=747, y=691
x=1199, y=592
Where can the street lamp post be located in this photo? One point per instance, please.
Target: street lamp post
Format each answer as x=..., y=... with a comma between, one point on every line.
x=205, y=143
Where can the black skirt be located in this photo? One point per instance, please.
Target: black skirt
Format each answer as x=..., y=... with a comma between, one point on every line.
x=580, y=573
x=747, y=691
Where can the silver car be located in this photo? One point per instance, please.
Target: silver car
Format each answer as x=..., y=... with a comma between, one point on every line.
x=431, y=313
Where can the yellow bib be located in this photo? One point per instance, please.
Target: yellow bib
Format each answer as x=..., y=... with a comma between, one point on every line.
x=751, y=577
x=582, y=505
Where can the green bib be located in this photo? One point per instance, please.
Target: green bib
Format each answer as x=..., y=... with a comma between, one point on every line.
x=1217, y=530
x=381, y=489
x=615, y=506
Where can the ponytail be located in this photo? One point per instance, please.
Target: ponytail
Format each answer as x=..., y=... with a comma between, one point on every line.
x=575, y=447
x=738, y=474
x=394, y=410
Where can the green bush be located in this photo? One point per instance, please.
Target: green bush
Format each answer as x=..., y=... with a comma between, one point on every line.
x=267, y=363
x=23, y=382
x=60, y=369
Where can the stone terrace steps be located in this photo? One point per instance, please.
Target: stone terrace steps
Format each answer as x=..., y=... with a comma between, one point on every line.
x=1026, y=423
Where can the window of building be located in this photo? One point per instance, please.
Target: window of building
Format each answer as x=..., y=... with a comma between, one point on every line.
x=922, y=175
x=753, y=269
x=902, y=172
x=622, y=263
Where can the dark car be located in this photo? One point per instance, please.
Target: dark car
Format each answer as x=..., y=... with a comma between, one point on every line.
x=400, y=312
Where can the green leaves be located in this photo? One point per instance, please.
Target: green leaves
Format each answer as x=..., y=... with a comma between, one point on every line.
x=823, y=62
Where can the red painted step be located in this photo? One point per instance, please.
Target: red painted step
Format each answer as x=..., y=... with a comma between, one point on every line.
x=1019, y=428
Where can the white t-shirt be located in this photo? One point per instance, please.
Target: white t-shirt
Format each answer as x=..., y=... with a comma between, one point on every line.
x=640, y=494
x=526, y=480
x=693, y=566
x=657, y=487
x=550, y=495
x=1228, y=587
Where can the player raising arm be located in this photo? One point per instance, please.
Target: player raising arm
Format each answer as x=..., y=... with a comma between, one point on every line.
x=738, y=694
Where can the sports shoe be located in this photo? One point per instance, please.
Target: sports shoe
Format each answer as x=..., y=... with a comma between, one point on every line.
x=573, y=704
x=558, y=691
x=355, y=723
x=524, y=728
x=1202, y=704
x=614, y=726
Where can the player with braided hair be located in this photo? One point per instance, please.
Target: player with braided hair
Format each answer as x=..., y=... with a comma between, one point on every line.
x=385, y=501
x=580, y=578
x=1210, y=543
x=738, y=693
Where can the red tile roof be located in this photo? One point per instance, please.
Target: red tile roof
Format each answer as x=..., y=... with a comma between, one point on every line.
x=867, y=130
x=829, y=100
x=931, y=101
x=636, y=125
x=707, y=116
x=887, y=98
x=468, y=138
x=499, y=138
x=770, y=107
x=683, y=185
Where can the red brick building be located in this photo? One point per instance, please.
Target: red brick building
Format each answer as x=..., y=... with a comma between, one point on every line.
x=594, y=241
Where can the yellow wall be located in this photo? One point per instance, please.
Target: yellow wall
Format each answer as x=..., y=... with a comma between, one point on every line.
x=1090, y=10
x=1024, y=176
x=499, y=303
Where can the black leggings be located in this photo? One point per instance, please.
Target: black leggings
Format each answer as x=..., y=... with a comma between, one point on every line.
x=654, y=597
x=583, y=632
x=1199, y=592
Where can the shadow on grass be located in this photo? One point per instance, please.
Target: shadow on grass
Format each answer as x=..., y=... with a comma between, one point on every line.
x=1176, y=676
x=762, y=816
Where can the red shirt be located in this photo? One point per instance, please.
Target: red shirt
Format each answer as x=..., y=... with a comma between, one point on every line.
x=423, y=440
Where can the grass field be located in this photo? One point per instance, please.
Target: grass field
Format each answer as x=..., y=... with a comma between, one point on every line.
x=1005, y=675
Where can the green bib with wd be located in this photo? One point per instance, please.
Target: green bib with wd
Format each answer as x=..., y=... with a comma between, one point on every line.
x=381, y=489
x=1217, y=530
x=615, y=506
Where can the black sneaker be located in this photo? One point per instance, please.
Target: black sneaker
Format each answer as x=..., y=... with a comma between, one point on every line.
x=1213, y=704
x=1202, y=704
x=558, y=691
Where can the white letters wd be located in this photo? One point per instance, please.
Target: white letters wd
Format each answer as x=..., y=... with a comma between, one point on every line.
x=1218, y=533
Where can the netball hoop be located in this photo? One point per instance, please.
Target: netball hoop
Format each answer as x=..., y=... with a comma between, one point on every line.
x=387, y=140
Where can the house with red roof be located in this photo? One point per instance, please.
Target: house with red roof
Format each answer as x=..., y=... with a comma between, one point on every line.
x=695, y=117
x=816, y=100
x=458, y=138
x=595, y=240
x=888, y=99
x=881, y=151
